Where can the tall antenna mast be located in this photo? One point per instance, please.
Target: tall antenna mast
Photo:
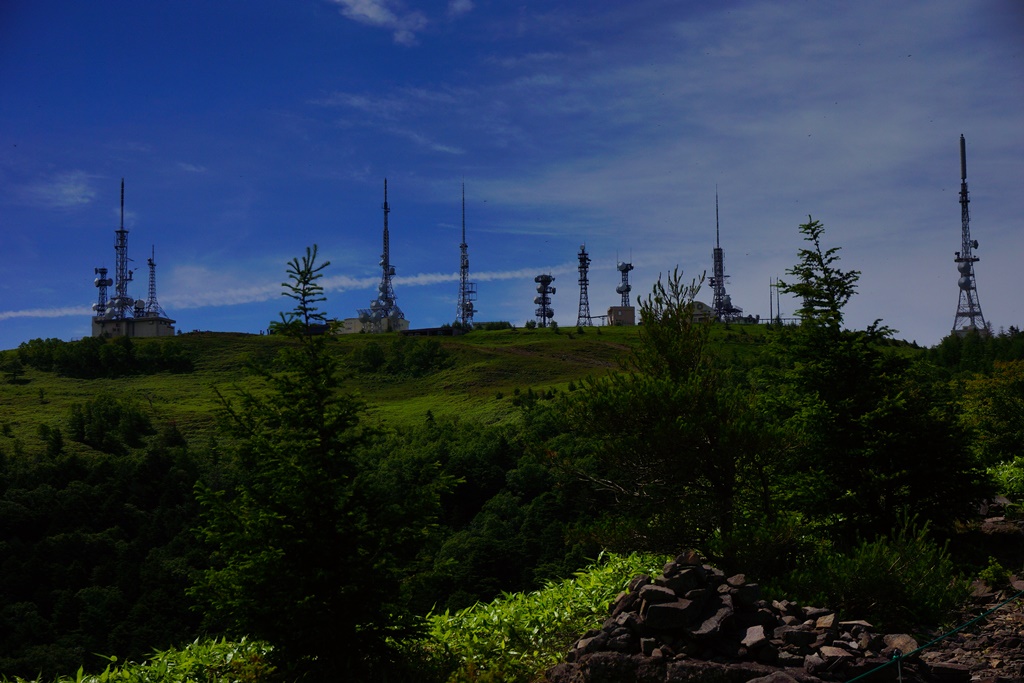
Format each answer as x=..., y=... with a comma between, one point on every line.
x=968, y=310
x=383, y=311
x=721, y=302
x=467, y=290
x=121, y=303
x=583, y=317
x=718, y=271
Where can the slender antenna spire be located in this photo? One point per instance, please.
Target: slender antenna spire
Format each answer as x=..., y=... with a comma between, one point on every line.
x=383, y=314
x=467, y=290
x=717, y=243
x=721, y=301
x=121, y=303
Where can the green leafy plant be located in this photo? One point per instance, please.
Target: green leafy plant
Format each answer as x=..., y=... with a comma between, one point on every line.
x=519, y=635
x=213, y=661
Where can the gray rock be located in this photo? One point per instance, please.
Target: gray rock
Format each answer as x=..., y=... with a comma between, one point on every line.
x=754, y=638
x=712, y=626
x=671, y=615
x=655, y=595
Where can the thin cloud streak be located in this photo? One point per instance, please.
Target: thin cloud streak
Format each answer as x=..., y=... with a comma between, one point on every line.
x=62, y=312
x=61, y=191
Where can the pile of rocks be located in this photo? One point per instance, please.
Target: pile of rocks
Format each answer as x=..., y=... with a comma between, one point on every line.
x=695, y=623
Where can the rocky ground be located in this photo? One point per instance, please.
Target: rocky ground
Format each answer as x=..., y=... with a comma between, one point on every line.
x=694, y=623
x=991, y=650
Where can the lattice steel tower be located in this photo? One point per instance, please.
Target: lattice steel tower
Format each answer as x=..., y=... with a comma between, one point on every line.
x=467, y=289
x=383, y=311
x=545, y=290
x=968, y=311
x=583, y=317
x=121, y=304
x=625, y=288
x=152, y=305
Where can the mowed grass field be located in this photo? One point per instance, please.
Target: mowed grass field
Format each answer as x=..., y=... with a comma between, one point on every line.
x=486, y=370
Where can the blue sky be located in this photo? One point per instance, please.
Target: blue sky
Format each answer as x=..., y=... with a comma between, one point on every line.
x=247, y=130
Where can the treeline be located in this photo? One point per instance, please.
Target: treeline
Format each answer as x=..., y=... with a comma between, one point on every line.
x=978, y=353
x=95, y=357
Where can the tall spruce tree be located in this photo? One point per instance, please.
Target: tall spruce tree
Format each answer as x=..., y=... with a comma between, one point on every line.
x=877, y=438
x=313, y=537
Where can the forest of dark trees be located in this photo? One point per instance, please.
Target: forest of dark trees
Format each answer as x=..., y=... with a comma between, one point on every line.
x=828, y=440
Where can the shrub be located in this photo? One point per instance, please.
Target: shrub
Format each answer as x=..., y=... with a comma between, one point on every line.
x=902, y=581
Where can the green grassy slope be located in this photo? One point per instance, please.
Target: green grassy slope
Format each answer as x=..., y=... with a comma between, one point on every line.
x=488, y=367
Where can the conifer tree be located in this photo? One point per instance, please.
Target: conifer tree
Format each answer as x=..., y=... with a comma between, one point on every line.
x=315, y=534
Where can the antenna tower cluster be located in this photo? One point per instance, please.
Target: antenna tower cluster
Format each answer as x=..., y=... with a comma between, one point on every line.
x=121, y=315
x=968, y=310
x=467, y=290
x=583, y=318
x=545, y=290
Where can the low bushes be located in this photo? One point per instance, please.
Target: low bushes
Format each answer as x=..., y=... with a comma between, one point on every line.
x=902, y=581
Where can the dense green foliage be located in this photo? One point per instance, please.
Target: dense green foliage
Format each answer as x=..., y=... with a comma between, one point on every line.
x=902, y=580
x=94, y=357
x=216, y=661
x=873, y=438
x=404, y=356
x=94, y=555
x=672, y=444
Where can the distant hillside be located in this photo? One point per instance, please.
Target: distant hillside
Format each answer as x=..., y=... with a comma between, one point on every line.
x=473, y=376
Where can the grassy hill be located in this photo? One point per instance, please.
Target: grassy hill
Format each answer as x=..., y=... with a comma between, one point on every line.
x=484, y=371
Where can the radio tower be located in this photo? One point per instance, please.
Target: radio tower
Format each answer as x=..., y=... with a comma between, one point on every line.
x=968, y=311
x=583, y=317
x=152, y=306
x=625, y=288
x=121, y=303
x=383, y=312
x=467, y=289
x=721, y=302
x=545, y=290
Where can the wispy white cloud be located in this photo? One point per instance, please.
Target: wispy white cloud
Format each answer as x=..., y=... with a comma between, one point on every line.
x=60, y=191
x=403, y=106
x=191, y=168
x=457, y=8
x=386, y=14
x=59, y=312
